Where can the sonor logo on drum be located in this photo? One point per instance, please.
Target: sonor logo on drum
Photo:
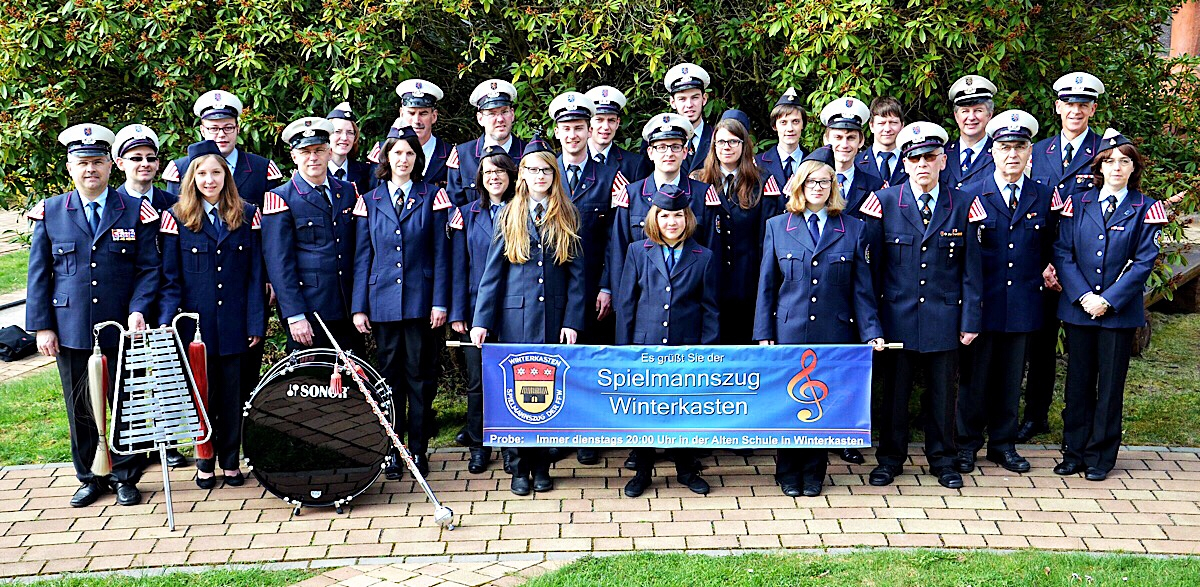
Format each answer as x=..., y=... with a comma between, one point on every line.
x=300, y=390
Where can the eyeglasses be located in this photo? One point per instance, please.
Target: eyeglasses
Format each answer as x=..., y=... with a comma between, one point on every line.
x=1118, y=161
x=926, y=157
x=728, y=143
x=139, y=159
x=349, y=132
x=1012, y=147
x=496, y=172
x=311, y=153
x=538, y=170
x=497, y=112
x=660, y=148
x=813, y=184
x=228, y=129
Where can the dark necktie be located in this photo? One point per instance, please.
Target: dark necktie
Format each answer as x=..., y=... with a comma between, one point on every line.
x=814, y=228
x=599, y=158
x=728, y=187
x=841, y=177
x=1012, y=197
x=573, y=177
x=670, y=255
x=966, y=159
x=539, y=212
x=787, y=169
x=325, y=195
x=885, y=167
x=339, y=173
x=926, y=211
x=1110, y=208
x=398, y=201
x=215, y=218
x=1068, y=150
x=94, y=222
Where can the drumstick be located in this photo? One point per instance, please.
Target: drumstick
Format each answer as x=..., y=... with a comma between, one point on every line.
x=443, y=515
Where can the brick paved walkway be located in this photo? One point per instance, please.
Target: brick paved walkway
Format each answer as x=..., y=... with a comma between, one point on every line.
x=1148, y=505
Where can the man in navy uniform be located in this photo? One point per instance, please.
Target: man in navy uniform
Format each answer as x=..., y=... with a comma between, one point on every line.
x=844, y=119
x=1016, y=243
x=687, y=83
x=787, y=118
x=344, y=145
x=218, y=112
x=418, y=110
x=610, y=104
x=136, y=153
x=970, y=156
x=1063, y=162
x=93, y=257
x=930, y=290
x=883, y=158
x=493, y=101
x=308, y=242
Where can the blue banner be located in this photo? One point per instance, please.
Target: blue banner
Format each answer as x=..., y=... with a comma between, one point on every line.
x=705, y=397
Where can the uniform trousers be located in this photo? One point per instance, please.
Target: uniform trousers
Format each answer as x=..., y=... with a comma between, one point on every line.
x=473, y=357
x=408, y=359
x=990, y=394
x=224, y=409
x=941, y=378
x=1098, y=361
x=72, y=370
x=685, y=459
x=801, y=466
x=251, y=360
x=347, y=336
x=1043, y=364
x=737, y=321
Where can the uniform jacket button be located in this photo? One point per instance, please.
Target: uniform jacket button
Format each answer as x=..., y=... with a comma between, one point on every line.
x=814, y=299
x=811, y=318
x=220, y=285
x=664, y=323
x=93, y=283
x=541, y=299
x=668, y=288
x=93, y=264
x=922, y=300
x=310, y=223
x=814, y=282
x=397, y=281
x=666, y=306
x=195, y=250
x=664, y=341
x=97, y=300
x=219, y=302
x=789, y=255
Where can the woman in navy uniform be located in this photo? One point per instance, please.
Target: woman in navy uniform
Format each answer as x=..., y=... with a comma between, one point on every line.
x=814, y=287
x=212, y=265
x=749, y=196
x=345, y=143
x=1107, y=243
x=471, y=236
x=531, y=291
x=668, y=296
x=402, y=282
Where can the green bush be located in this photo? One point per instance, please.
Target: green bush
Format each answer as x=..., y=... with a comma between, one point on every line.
x=119, y=61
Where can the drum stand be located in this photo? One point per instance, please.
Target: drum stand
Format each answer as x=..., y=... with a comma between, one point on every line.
x=443, y=515
x=159, y=406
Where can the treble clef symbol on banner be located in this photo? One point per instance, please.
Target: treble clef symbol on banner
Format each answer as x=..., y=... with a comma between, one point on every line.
x=811, y=391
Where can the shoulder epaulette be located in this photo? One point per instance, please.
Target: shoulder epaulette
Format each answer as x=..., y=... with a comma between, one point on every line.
x=618, y=185
x=38, y=212
x=1157, y=214
x=1068, y=209
x=171, y=173
x=872, y=206
x=169, y=226
x=273, y=203
x=977, y=211
x=772, y=187
x=256, y=223
x=373, y=156
x=148, y=213
x=273, y=172
x=1056, y=202
x=441, y=201
x=711, y=198
x=621, y=199
x=360, y=208
x=452, y=162
x=457, y=221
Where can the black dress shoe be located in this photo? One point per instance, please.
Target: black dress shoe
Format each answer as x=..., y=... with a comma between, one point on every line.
x=462, y=439
x=88, y=493
x=1068, y=468
x=791, y=489
x=175, y=460
x=637, y=485
x=235, y=480
x=949, y=479
x=1094, y=474
x=587, y=456
x=1029, y=429
x=478, y=462
x=206, y=482
x=965, y=461
x=883, y=475
x=631, y=463
x=422, y=463
x=557, y=453
x=694, y=482
x=393, y=472
x=128, y=494
x=506, y=455
x=851, y=455
x=519, y=485
x=1009, y=459
x=543, y=482
x=812, y=489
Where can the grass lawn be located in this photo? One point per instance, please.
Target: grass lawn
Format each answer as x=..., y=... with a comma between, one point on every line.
x=34, y=420
x=223, y=578
x=14, y=269
x=920, y=568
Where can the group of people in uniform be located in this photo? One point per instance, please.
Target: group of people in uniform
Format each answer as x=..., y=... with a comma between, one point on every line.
x=969, y=252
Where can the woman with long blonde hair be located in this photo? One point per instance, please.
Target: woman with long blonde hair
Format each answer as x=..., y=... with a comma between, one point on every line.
x=213, y=265
x=532, y=286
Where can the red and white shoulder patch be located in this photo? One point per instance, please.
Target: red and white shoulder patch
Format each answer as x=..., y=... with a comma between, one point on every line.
x=169, y=225
x=441, y=201
x=373, y=156
x=38, y=212
x=711, y=198
x=872, y=206
x=1056, y=202
x=457, y=221
x=171, y=173
x=619, y=184
x=1068, y=209
x=360, y=208
x=273, y=203
x=273, y=172
x=148, y=213
x=452, y=162
x=256, y=223
x=621, y=199
x=1157, y=214
x=772, y=187
x=977, y=212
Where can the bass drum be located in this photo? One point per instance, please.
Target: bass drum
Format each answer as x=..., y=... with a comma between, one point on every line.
x=311, y=445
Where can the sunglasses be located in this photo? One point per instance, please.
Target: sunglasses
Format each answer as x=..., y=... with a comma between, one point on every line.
x=139, y=158
x=926, y=157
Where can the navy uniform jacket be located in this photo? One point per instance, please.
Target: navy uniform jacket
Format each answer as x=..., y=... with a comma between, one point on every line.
x=771, y=162
x=633, y=166
x=533, y=301
x=77, y=280
x=739, y=241
x=309, y=248
x=654, y=308
x=1016, y=249
x=690, y=163
x=435, y=170
x=633, y=205
x=983, y=165
x=931, y=276
x=866, y=162
x=816, y=293
x=219, y=278
x=161, y=199
x=401, y=264
x=463, y=166
x=254, y=175
x=864, y=185
x=360, y=174
x=1111, y=259
x=471, y=238
x=1046, y=165
x=599, y=185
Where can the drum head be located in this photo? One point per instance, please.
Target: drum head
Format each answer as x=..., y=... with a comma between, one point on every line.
x=308, y=444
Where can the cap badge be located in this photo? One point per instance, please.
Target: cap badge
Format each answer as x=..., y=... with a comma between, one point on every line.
x=87, y=131
x=666, y=118
x=849, y=102
x=791, y=93
x=683, y=70
x=604, y=93
x=307, y=123
x=138, y=128
x=1015, y=117
x=418, y=84
x=969, y=81
x=916, y=130
x=1079, y=79
x=493, y=85
x=571, y=99
x=1112, y=141
x=217, y=97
